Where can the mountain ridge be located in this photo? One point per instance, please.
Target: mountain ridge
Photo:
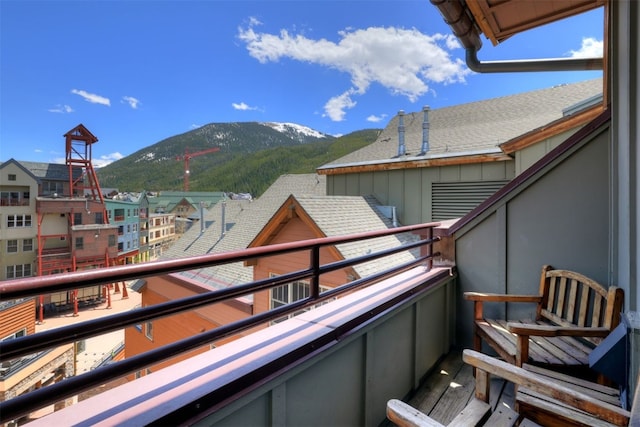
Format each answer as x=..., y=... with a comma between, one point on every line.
x=251, y=155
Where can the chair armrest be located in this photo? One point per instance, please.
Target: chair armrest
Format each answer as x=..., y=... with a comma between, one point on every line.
x=556, y=331
x=405, y=415
x=542, y=385
x=488, y=297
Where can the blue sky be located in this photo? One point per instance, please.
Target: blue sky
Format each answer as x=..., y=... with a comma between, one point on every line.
x=136, y=72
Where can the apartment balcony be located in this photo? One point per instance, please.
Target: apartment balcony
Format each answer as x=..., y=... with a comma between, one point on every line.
x=374, y=339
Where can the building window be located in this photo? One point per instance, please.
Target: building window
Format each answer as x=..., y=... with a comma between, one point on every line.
x=99, y=218
x=12, y=246
x=17, y=271
x=148, y=330
x=112, y=240
x=51, y=187
x=77, y=218
x=110, y=213
x=12, y=198
x=20, y=333
x=12, y=177
x=79, y=242
x=27, y=245
x=291, y=292
x=17, y=221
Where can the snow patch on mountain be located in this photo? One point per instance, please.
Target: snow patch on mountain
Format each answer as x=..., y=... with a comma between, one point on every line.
x=294, y=128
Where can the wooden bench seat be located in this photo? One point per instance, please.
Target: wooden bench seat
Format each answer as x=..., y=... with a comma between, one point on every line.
x=573, y=314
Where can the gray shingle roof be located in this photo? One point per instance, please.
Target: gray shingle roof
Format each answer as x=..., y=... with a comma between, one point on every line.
x=50, y=171
x=244, y=219
x=474, y=127
x=341, y=215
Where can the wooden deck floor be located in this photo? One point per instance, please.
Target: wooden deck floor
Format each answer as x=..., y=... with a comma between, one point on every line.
x=447, y=390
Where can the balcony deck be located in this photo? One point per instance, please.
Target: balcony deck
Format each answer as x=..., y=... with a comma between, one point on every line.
x=450, y=386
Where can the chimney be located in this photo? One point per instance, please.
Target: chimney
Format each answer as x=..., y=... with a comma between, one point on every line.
x=401, y=148
x=425, y=131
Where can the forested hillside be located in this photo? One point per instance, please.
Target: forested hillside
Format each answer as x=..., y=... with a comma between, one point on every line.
x=250, y=157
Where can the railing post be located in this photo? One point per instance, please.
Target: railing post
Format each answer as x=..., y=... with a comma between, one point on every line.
x=430, y=248
x=315, y=266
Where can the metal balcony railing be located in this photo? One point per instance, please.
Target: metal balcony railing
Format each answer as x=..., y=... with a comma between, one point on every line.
x=34, y=286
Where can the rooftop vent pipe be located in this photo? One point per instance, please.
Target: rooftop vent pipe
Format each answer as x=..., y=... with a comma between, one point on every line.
x=425, y=131
x=401, y=147
x=201, y=217
x=223, y=219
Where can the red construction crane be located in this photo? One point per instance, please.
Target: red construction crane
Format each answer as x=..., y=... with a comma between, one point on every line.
x=187, y=156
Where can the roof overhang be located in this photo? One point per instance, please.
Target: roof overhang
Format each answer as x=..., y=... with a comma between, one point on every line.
x=447, y=159
x=499, y=20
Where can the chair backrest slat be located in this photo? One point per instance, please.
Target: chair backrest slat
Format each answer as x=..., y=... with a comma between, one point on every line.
x=571, y=298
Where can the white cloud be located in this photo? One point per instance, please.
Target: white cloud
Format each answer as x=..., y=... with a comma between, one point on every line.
x=195, y=126
x=104, y=160
x=37, y=150
x=404, y=61
x=59, y=108
x=336, y=106
x=375, y=119
x=92, y=97
x=242, y=106
x=133, y=102
x=591, y=48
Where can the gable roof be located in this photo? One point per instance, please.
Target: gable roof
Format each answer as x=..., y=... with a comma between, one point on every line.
x=51, y=171
x=21, y=167
x=81, y=133
x=243, y=220
x=476, y=128
x=332, y=216
x=168, y=200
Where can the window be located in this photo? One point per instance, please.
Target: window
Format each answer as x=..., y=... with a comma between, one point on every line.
x=79, y=242
x=11, y=198
x=20, y=270
x=12, y=246
x=12, y=177
x=112, y=240
x=17, y=221
x=20, y=333
x=77, y=218
x=99, y=218
x=27, y=245
x=148, y=330
x=51, y=187
x=291, y=292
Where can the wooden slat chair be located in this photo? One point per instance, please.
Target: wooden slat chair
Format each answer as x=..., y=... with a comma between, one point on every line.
x=574, y=313
x=570, y=400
